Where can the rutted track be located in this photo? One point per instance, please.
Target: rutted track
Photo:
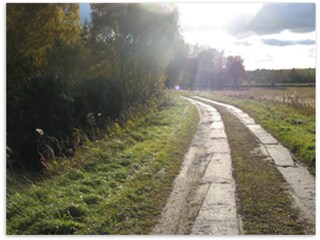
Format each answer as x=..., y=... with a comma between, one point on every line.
x=300, y=181
x=203, y=197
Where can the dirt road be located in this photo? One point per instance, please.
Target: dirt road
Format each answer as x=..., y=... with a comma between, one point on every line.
x=203, y=200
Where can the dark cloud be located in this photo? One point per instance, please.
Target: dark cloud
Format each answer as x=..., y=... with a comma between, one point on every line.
x=281, y=43
x=275, y=17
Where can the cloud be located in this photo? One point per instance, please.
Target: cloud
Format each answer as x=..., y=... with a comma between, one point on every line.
x=243, y=43
x=312, y=53
x=274, y=18
x=193, y=27
x=263, y=59
x=281, y=43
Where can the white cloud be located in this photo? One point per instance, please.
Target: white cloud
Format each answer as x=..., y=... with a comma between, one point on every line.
x=279, y=58
x=200, y=16
x=252, y=49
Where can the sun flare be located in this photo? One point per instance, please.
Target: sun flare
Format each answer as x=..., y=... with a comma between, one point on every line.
x=215, y=14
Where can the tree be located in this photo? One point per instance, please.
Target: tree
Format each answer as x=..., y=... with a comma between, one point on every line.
x=41, y=28
x=206, y=68
x=135, y=45
x=209, y=70
x=294, y=75
x=235, y=71
x=62, y=76
x=35, y=32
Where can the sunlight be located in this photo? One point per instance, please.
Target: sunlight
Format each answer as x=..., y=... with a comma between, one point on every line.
x=205, y=23
x=164, y=8
x=219, y=40
x=214, y=15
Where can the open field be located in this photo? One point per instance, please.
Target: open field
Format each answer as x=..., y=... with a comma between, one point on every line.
x=288, y=113
x=117, y=185
x=301, y=98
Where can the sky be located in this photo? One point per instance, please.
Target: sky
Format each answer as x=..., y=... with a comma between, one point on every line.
x=269, y=36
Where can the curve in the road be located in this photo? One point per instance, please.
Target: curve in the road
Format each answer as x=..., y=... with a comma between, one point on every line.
x=301, y=182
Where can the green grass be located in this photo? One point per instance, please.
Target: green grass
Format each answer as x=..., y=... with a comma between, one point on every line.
x=264, y=203
x=117, y=185
x=293, y=127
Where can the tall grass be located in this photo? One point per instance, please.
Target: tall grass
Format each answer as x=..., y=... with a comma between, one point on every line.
x=301, y=99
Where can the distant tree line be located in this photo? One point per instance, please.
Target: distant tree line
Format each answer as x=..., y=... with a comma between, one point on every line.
x=204, y=68
x=282, y=76
x=65, y=78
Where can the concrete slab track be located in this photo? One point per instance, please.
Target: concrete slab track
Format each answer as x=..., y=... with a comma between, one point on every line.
x=300, y=181
x=203, y=199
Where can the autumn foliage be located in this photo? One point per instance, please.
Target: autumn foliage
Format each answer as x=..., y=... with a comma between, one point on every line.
x=66, y=77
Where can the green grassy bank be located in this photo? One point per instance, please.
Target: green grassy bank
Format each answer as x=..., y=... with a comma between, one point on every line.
x=117, y=185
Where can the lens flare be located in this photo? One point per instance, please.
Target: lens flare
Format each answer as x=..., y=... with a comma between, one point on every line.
x=163, y=8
